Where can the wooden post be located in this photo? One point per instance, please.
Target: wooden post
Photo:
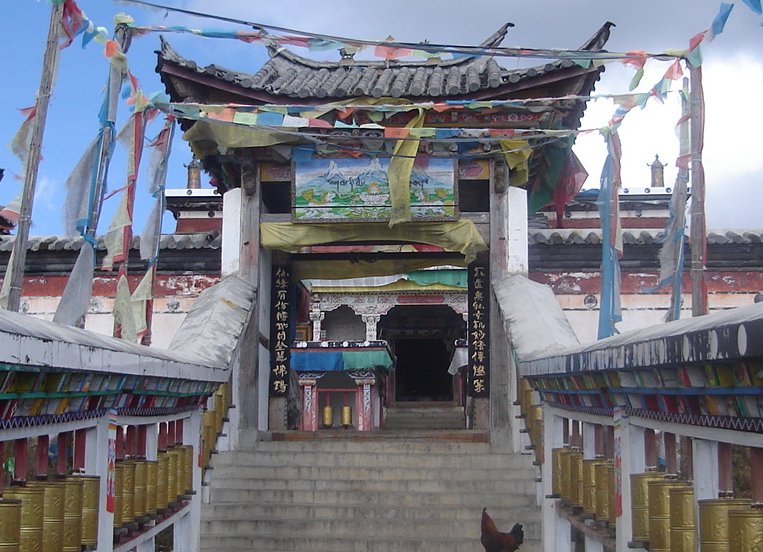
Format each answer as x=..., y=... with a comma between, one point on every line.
x=756, y=474
x=43, y=444
x=698, y=232
x=63, y=452
x=21, y=449
x=650, y=449
x=669, y=441
x=16, y=271
x=725, y=470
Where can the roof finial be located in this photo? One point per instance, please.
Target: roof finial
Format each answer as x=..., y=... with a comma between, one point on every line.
x=658, y=173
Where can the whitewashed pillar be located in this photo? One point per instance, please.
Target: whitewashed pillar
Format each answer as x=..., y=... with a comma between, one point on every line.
x=100, y=454
x=231, y=234
x=152, y=442
x=556, y=529
x=517, y=262
x=592, y=545
x=589, y=442
x=316, y=317
x=629, y=458
x=705, y=466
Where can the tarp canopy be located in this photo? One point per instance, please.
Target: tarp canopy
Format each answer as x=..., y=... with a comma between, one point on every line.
x=533, y=318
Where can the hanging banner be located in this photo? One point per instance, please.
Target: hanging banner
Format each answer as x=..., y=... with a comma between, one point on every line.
x=478, y=377
x=281, y=301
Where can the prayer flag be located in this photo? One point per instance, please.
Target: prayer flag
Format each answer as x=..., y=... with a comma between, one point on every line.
x=754, y=5
x=720, y=20
x=75, y=300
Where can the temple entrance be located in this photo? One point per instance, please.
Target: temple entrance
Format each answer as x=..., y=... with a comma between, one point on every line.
x=422, y=338
x=422, y=370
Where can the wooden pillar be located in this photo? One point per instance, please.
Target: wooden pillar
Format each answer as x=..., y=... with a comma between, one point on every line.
x=80, y=446
x=21, y=447
x=686, y=467
x=650, y=449
x=120, y=443
x=309, y=406
x=565, y=430
x=669, y=442
x=725, y=469
x=140, y=449
x=130, y=441
x=576, y=440
x=43, y=445
x=63, y=452
x=598, y=440
x=179, y=431
x=170, y=434
x=756, y=474
x=162, y=436
x=249, y=271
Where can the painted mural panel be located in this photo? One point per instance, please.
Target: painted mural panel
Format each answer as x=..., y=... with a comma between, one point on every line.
x=352, y=190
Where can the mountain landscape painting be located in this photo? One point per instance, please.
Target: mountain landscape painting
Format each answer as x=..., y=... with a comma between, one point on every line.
x=358, y=190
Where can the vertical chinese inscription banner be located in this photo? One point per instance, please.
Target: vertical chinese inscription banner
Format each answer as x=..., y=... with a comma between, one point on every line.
x=280, y=312
x=478, y=377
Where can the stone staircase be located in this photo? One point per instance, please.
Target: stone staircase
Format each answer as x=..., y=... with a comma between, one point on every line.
x=426, y=416
x=389, y=491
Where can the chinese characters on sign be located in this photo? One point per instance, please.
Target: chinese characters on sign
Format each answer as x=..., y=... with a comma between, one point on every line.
x=281, y=301
x=478, y=378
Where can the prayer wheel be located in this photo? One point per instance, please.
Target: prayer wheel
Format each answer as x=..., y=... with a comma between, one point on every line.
x=576, y=478
x=118, y=484
x=605, y=490
x=565, y=487
x=714, y=522
x=72, y=514
x=32, y=510
x=180, y=453
x=172, y=475
x=218, y=412
x=139, y=502
x=152, y=473
x=659, y=513
x=10, y=525
x=556, y=470
x=53, y=513
x=683, y=521
x=188, y=468
x=640, y=503
x=128, y=492
x=746, y=530
x=536, y=426
x=589, y=484
x=328, y=416
x=91, y=492
x=346, y=417
x=161, y=481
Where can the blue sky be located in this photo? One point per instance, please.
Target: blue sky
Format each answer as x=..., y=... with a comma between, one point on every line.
x=733, y=81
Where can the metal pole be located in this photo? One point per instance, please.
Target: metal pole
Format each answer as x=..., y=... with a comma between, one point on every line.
x=698, y=234
x=50, y=61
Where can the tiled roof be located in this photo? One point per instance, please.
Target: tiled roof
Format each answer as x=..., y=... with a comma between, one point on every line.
x=210, y=240
x=289, y=75
x=637, y=237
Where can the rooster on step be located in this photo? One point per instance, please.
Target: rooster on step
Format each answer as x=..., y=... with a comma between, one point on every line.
x=495, y=541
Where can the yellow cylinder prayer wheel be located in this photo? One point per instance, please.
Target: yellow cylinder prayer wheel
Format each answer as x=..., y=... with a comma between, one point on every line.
x=746, y=530
x=91, y=492
x=161, y=478
x=328, y=416
x=172, y=475
x=10, y=525
x=714, y=522
x=659, y=512
x=188, y=463
x=576, y=477
x=139, y=501
x=119, y=473
x=72, y=515
x=589, y=484
x=152, y=478
x=605, y=487
x=556, y=470
x=565, y=487
x=683, y=522
x=640, y=503
x=32, y=511
x=53, y=513
x=128, y=493
x=181, y=477
x=346, y=416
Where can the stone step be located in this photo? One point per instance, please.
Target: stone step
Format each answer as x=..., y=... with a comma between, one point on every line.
x=450, y=442
x=338, y=492
x=359, y=496
x=389, y=460
x=233, y=512
x=295, y=543
x=398, y=528
x=350, y=471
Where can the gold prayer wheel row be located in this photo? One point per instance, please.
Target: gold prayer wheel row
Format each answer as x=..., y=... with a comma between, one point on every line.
x=605, y=491
x=640, y=503
x=659, y=503
x=60, y=514
x=729, y=524
x=142, y=488
x=214, y=416
x=10, y=525
x=588, y=483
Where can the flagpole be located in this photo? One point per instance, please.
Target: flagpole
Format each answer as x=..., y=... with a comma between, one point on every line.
x=698, y=232
x=16, y=271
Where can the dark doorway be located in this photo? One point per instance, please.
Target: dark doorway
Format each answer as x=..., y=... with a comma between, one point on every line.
x=422, y=370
